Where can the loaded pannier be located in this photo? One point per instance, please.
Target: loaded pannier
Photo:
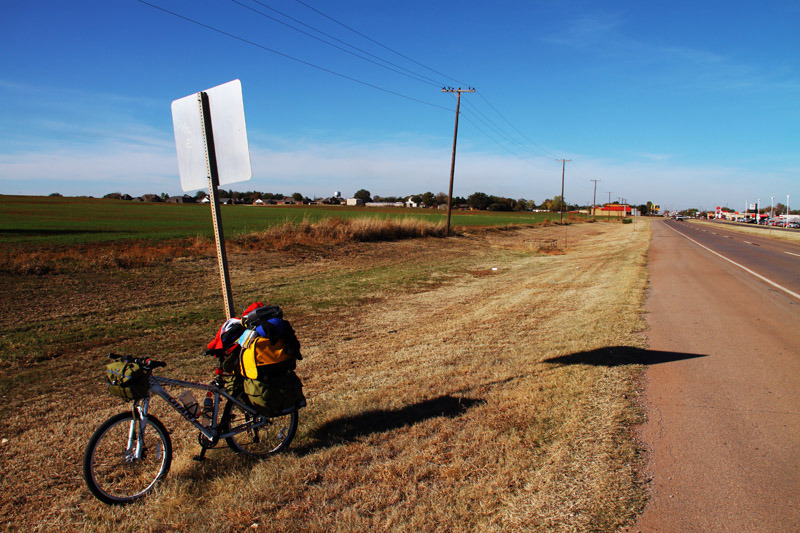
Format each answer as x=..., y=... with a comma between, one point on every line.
x=127, y=380
x=265, y=356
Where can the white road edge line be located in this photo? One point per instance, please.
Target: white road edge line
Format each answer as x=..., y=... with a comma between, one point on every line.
x=790, y=253
x=759, y=276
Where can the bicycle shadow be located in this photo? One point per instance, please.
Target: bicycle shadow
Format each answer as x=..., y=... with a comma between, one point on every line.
x=621, y=355
x=351, y=428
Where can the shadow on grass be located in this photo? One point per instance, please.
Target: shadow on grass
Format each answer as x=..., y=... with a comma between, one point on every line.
x=620, y=355
x=350, y=428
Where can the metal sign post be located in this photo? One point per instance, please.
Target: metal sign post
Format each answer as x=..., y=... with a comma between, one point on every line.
x=216, y=215
x=213, y=154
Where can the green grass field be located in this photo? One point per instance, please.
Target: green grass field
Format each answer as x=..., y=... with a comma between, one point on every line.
x=54, y=220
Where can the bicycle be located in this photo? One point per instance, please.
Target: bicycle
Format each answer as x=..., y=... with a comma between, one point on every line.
x=131, y=452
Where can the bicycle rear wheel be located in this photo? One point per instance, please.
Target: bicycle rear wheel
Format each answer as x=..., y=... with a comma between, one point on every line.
x=264, y=440
x=111, y=470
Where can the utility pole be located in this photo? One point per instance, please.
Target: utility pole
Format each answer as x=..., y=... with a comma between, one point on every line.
x=453, y=161
x=561, y=211
x=594, y=199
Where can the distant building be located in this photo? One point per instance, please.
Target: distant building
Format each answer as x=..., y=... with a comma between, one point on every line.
x=613, y=210
x=355, y=201
x=384, y=204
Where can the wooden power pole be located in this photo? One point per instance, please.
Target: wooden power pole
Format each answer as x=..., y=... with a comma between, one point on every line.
x=561, y=210
x=594, y=199
x=453, y=161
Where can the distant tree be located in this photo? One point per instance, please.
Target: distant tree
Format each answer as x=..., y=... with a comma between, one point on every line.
x=363, y=195
x=199, y=195
x=113, y=196
x=297, y=197
x=417, y=198
x=478, y=200
x=459, y=200
x=440, y=198
x=428, y=199
x=55, y=195
x=504, y=204
x=164, y=196
x=556, y=204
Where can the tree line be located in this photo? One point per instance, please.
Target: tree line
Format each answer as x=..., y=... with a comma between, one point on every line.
x=477, y=200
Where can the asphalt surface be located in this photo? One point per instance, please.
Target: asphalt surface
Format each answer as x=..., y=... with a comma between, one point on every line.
x=777, y=260
x=724, y=408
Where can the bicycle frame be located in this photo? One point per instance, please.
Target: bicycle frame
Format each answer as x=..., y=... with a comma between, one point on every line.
x=211, y=432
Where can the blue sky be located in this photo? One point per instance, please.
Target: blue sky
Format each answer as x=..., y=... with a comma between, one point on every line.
x=686, y=104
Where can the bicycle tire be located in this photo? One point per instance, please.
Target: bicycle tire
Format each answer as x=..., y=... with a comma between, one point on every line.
x=266, y=440
x=111, y=474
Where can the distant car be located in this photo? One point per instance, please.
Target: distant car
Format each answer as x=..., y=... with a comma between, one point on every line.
x=794, y=224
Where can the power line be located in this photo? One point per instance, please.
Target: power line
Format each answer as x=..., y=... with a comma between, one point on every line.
x=497, y=129
x=287, y=56
x=478, y=114
x=379, y=44
x=408, y=73
x=498, y=143
x=548, y=154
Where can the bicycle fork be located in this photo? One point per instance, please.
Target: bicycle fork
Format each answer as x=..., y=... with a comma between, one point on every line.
x=138, y=447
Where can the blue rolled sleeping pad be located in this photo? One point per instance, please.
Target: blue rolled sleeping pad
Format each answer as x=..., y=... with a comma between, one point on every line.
x=275, y=330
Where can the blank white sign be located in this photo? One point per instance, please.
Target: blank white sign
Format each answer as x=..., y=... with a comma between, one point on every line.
x=230, y=137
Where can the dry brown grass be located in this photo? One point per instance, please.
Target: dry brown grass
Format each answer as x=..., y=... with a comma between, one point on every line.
x=469, y=383
x=336, y=231
x=98, y=256
x=49, y=259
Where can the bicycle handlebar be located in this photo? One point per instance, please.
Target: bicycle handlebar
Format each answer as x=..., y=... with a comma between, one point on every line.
x=146, y=362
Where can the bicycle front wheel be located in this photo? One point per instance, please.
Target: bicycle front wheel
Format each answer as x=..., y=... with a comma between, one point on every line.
x=264, y=440
x=111, y=468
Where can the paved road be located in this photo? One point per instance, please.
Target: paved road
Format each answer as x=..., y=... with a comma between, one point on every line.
x=724, y=414
x=777, y=260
